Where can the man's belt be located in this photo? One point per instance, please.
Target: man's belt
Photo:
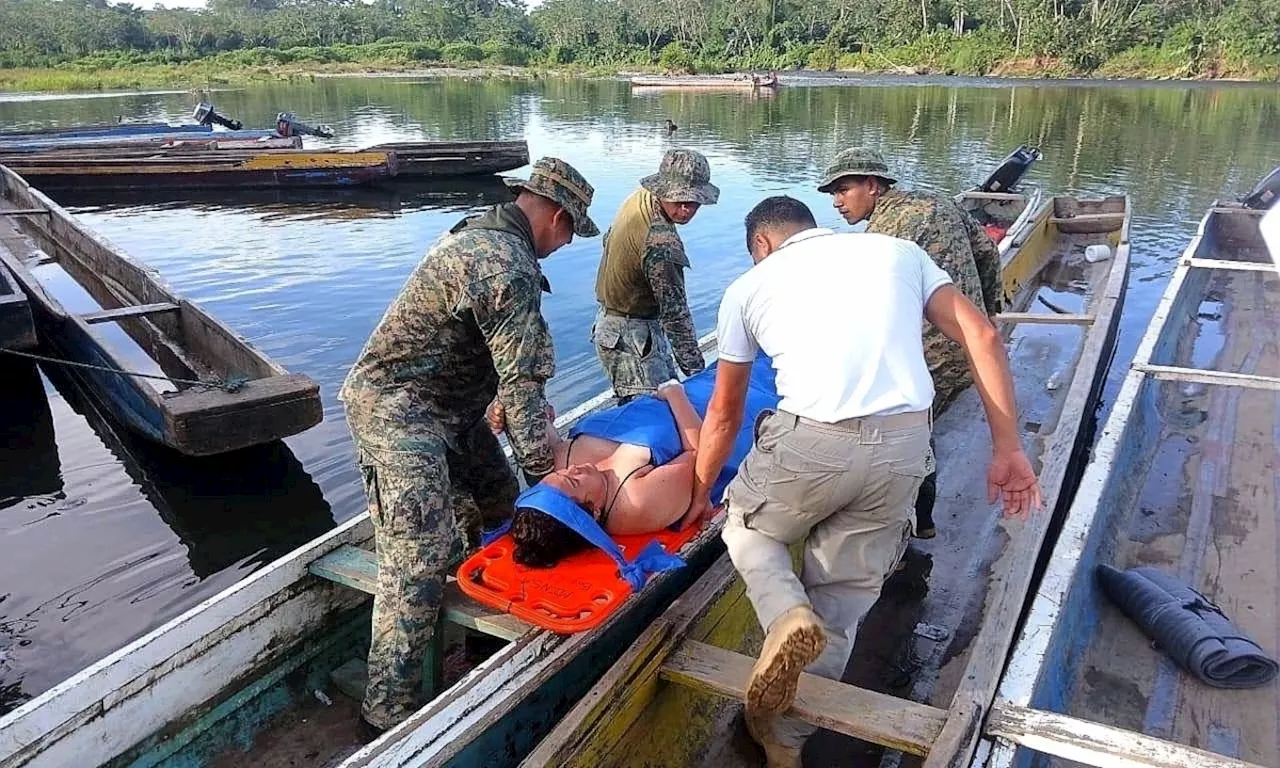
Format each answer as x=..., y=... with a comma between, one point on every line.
x=618, y=313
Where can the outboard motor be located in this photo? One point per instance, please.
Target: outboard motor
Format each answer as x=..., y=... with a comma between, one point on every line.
x=1265, y=193
x=1011, y=170
x=204, y=115
x=287, y=124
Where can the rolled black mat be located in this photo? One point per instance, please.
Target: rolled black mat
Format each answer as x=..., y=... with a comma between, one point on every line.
x=1188, y=627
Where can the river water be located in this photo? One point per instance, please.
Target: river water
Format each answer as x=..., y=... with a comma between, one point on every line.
x=103, y=538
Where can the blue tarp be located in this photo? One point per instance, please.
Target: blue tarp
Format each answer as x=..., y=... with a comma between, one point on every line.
x=648, y=421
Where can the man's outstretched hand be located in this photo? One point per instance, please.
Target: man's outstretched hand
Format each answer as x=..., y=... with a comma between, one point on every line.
x=1011, y=479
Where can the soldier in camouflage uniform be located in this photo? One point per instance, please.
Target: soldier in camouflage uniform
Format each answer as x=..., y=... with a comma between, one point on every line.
x=644, y=314
x=467, y=326
x=861, y=187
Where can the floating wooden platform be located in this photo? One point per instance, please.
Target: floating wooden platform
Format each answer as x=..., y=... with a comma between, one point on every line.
x=1184, y=478
x=673, y=699
x=139, y=324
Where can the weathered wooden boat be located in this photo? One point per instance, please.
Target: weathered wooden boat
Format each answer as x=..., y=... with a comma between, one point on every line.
x=212, y=392
x=204, y=170
x=735, y=80
x=1184, y=478
x=455, y=158
x=93, y=131
x=17, y=328
x=673, y=698
x=144, y=149
x=37, y=145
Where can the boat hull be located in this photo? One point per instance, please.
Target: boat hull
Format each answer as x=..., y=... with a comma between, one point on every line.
x=17, y=328
x=144, y=324
x=440, y=159
x=212, y=170
x=1183, y=479
x=936, y=634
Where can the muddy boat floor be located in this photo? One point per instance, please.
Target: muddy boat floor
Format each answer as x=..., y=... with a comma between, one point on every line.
x=319, y=735
x=1204, y=508
x=916, y=640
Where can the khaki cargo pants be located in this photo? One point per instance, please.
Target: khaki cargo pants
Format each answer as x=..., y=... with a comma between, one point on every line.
x=845, y=490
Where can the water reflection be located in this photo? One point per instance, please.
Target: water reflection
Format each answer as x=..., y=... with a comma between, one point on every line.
x=29, y=464
x=244, y=508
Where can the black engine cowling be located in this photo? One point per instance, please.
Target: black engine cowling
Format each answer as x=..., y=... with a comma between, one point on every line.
x=1011, y=170
x=1264, y=195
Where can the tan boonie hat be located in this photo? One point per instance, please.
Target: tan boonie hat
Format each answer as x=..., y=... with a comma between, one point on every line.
x=858, y=161
x=560, y=182
x=683, y=177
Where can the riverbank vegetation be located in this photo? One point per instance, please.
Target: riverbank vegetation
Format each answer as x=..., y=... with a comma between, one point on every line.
x=63, y=45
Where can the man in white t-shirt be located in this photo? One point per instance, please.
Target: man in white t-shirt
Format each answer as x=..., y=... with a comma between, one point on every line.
x=838, y=464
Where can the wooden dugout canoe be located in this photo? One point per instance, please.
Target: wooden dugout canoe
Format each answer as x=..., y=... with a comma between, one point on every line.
x=1183, y=478
x=672, y=699
x=140, y=323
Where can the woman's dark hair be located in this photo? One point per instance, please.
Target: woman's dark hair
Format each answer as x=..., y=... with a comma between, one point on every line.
x=541, y=540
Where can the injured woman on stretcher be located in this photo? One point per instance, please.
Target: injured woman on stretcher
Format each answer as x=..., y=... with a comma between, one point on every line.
x=630, y=468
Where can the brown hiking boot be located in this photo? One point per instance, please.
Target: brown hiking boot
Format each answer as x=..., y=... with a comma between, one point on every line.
x=760, y=726
x=794, y=640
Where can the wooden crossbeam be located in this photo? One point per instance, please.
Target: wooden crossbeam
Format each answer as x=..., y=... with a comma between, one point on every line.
x=1117, y=217
x=1090, y=743
x=876, y=717
x=1055, y=318
x=1200, y=376
x=358, y=568
x=1242, y=266
x=111, y=315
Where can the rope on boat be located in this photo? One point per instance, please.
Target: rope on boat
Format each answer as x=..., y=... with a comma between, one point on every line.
x=233, y=384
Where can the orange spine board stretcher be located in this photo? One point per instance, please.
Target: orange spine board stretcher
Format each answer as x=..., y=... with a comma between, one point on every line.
x=577, y=594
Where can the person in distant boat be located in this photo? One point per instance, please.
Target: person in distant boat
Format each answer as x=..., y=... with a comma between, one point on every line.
x=641, y=485
x=836, y=466
x=861, y=187
x=466, y=327
x=644, y=313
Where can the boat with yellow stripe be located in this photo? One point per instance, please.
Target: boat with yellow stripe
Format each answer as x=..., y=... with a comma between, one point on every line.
x=928, y=657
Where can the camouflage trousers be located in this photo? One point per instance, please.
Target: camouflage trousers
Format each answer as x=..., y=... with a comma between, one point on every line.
x=428, y=504
x=635, y=353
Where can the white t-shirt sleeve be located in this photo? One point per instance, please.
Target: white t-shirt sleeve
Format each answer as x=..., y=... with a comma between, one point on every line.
x=1270, y=227
x=932, y=277
x=734, y=341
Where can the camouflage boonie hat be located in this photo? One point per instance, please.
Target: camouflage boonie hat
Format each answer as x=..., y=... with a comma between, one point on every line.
x=683, y=177
x=560, y=182
x=858, y=161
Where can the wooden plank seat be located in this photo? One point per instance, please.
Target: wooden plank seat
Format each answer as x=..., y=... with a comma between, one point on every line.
x=119, y=313
x=358, y=568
